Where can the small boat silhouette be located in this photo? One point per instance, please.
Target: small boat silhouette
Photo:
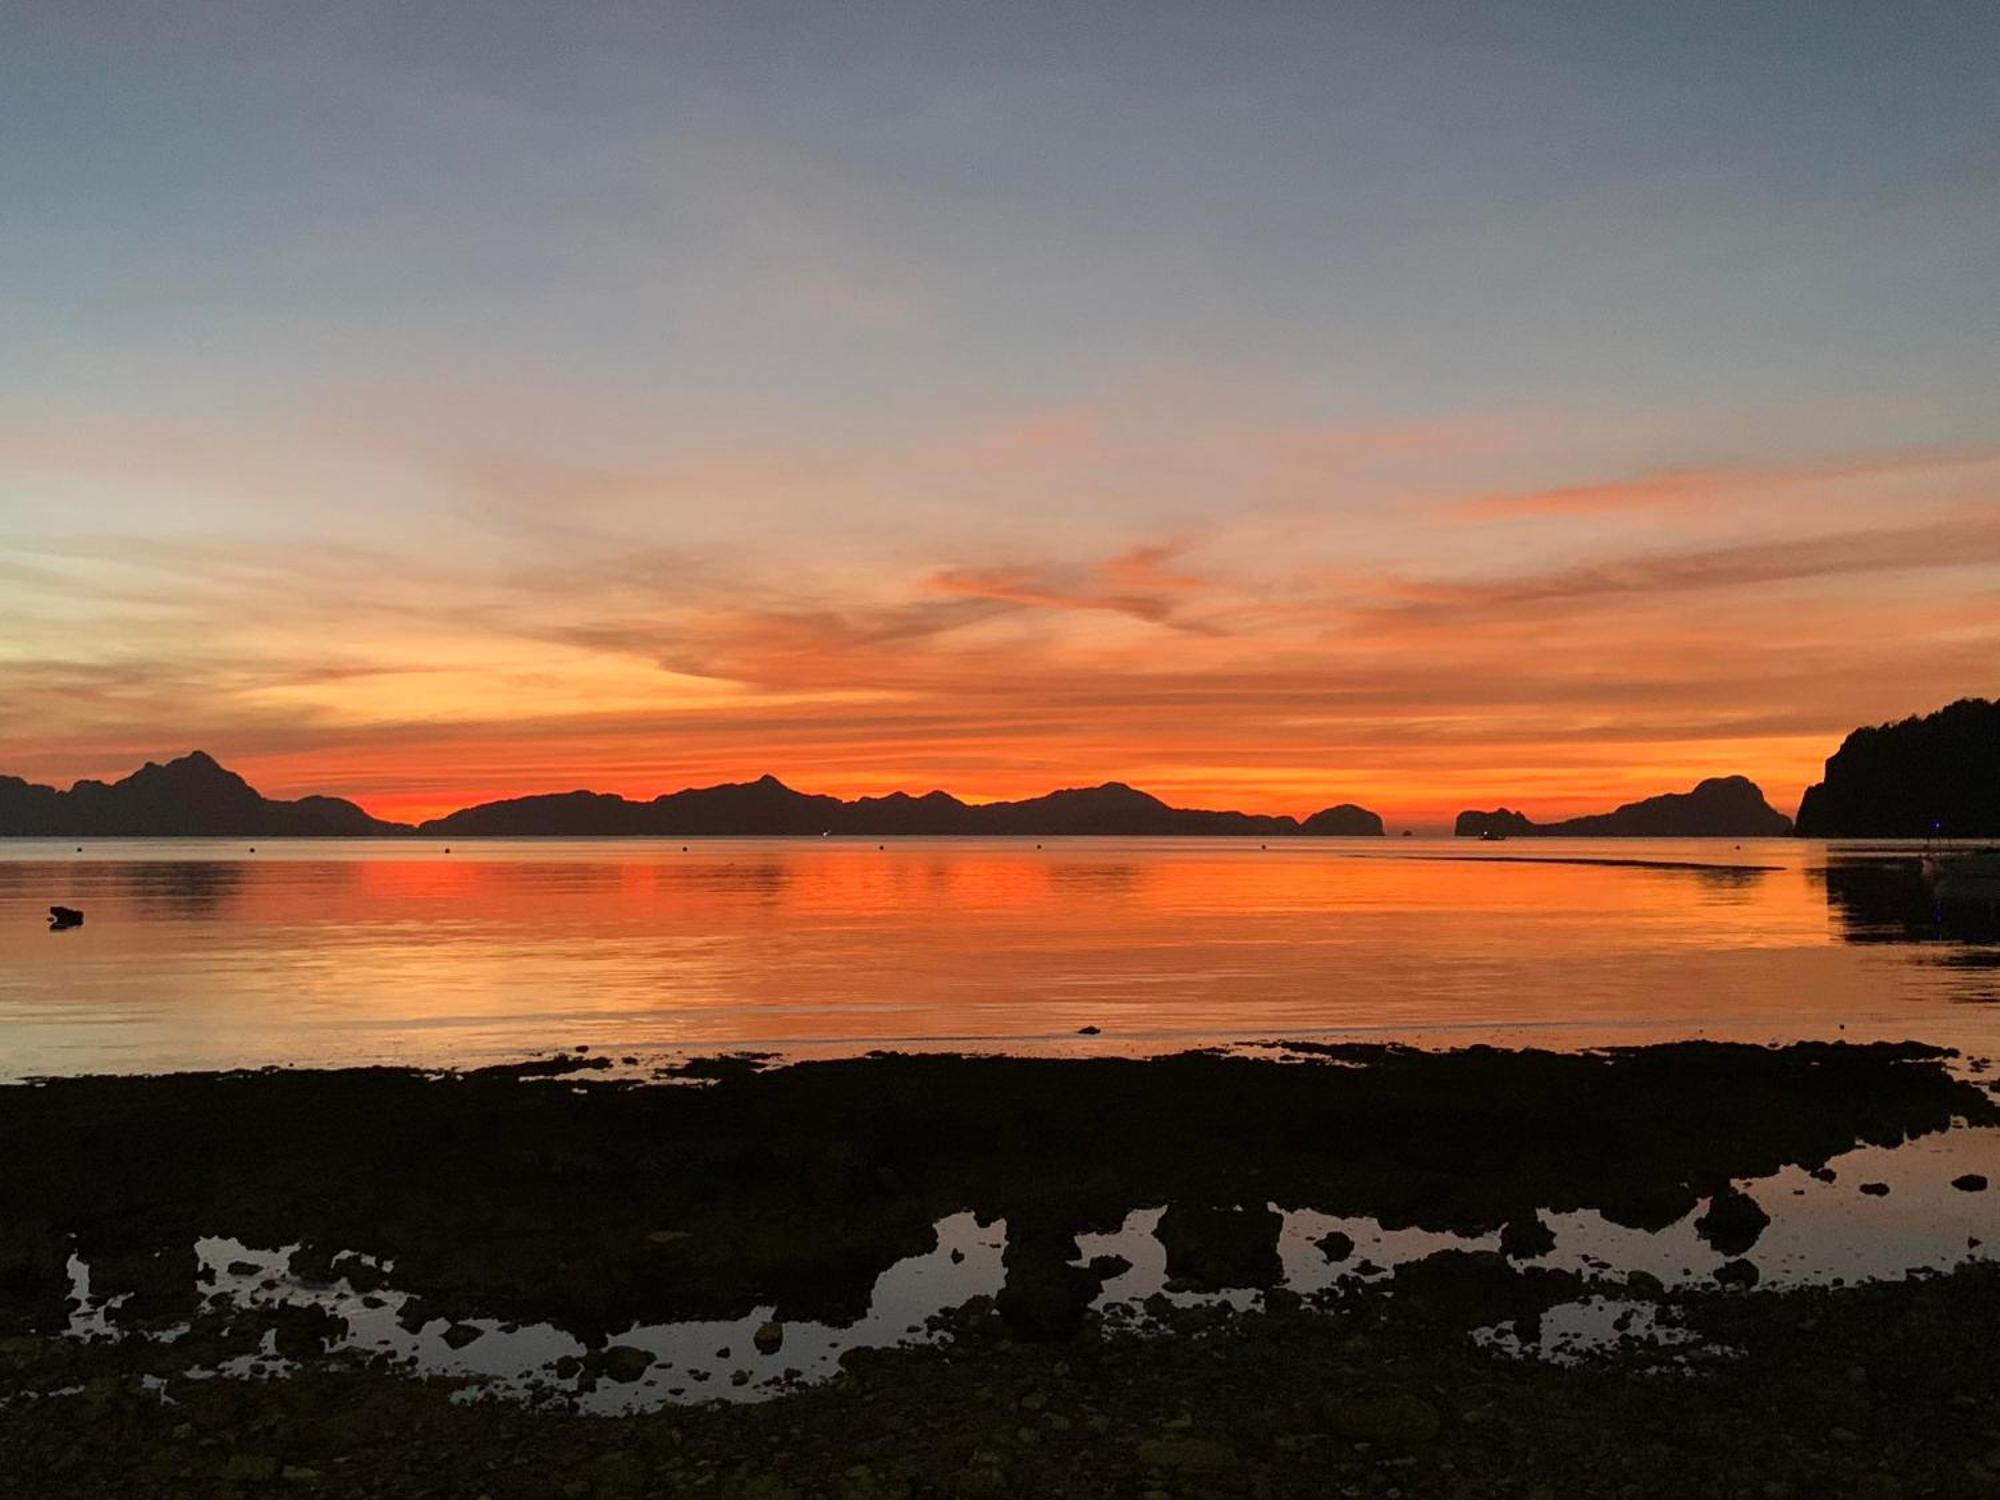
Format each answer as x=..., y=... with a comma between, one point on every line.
x=64, y=916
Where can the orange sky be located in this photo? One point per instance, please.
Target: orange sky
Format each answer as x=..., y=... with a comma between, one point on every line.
x=1267, y=662
x=1269, y=406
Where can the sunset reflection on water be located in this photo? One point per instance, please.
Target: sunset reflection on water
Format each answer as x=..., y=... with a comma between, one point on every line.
x=205, y=954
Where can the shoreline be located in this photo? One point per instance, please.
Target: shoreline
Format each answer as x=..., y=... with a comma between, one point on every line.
x=543, y=1194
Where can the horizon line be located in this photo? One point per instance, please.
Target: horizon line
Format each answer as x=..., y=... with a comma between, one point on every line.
x=1504, y=804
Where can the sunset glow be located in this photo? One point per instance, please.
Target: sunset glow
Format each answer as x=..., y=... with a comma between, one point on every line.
x=678, y=398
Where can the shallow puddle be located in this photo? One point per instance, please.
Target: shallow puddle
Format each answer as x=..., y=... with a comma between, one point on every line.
x=696, y=1360
x=1570, y=1332
x=1821, y=1232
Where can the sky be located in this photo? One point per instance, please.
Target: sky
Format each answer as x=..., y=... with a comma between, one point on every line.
x=1269, y=404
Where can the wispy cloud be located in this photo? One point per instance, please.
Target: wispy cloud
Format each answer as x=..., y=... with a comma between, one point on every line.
x=1678, y=488
x=1137, y=582
x=1410, y=699
x=1281, y=657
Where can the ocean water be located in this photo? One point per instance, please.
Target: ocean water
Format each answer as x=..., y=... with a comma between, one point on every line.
x=199, y=954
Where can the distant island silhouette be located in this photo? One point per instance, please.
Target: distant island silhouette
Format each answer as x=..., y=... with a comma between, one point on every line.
x=1721, y=807
x=196, y=796
x=768, y=806
x=1938, y=775
x=189, y=797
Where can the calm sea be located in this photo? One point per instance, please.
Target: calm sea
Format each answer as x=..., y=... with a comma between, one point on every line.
x=206, y=954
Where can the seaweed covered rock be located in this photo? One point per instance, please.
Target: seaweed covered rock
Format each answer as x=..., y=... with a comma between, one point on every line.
x=1527, y=1237
x=34, y=1275
x=1211, y=1249
x=1045, y=1297
x=1733, y=1222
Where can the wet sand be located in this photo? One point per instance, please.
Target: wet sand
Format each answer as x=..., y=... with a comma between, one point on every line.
x=777, y=1198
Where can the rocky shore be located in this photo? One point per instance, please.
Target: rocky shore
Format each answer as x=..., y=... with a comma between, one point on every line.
x=555, y=1193
x=1881, y=1392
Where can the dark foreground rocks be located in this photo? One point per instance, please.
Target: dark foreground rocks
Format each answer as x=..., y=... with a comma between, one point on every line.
x=1734, y=1221
x=1210, y=1249
x=551, y=1195
x=1885, y=1391
x=529, y=1195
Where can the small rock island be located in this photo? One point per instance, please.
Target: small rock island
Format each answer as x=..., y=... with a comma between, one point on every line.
x=1720, y=807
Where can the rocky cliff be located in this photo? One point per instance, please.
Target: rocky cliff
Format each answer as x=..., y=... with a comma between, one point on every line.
x=1938, y=775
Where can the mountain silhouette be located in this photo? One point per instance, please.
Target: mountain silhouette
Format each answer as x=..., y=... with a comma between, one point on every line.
x=191, y=796
x=1938, y=774
x=768, y=806
x=194, y=796
x=1720, y=807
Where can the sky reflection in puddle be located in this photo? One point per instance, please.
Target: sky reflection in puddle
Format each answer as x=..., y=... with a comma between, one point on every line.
x=1570, y=1332
x=1820, y=1232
